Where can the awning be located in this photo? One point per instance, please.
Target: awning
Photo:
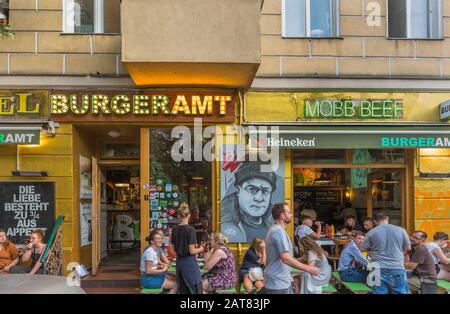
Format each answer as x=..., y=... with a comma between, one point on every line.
x=337, y=137
x=20, y=133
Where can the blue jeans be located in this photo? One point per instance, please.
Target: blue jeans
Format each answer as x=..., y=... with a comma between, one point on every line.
x=152, y=281
x=394, y=279
x=354, y=275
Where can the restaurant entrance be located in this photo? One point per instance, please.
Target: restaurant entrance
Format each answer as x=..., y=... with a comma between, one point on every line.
x=330, y=185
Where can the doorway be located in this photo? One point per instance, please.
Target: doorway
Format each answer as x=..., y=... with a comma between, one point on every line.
x=120, y=214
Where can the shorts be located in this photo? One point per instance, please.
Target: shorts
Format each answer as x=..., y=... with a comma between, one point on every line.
x=152, y=281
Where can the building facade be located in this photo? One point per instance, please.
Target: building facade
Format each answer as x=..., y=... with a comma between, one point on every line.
x=103, y=83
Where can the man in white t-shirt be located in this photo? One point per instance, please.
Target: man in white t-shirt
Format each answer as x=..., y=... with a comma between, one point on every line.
x=304, y=229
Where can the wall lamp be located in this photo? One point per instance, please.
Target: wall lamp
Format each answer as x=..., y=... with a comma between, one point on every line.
x=29, y=173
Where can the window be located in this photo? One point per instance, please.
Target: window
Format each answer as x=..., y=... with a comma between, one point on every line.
x=310, y=18
x=92, y=16
x=4, y=11
x=415, y=18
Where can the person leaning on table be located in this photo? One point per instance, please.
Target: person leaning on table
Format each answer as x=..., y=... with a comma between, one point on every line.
x=387, y=245
x=420, y=261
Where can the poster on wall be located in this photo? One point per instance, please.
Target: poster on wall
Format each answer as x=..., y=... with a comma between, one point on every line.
x=25, y=207
x=85, y=178
x=247, y=196
x=85, y=201
x=85, y=224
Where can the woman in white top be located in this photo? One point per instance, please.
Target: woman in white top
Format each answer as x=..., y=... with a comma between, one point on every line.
x=440, y=240
x=154, y=273
x=314, y=256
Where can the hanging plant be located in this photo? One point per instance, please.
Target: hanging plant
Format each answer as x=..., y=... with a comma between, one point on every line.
x=5, y=31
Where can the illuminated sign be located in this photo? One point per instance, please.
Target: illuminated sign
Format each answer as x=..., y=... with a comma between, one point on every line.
x=139, y=104
x=353, y=108
x=444, y=111
x=20, y=103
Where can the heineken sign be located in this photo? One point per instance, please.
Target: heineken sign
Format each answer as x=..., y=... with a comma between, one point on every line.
x=350, y=139
x=353, y=109
x=21, y=137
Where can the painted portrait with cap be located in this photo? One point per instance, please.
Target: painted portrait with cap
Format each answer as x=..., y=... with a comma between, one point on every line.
x=247, y=194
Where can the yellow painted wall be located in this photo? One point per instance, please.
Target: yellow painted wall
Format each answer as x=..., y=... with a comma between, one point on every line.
x=432, y=196
x=289, y=106
x=55, y=156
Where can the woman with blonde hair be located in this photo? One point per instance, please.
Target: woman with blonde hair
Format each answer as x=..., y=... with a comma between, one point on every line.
x=219, y=261
x=189, y=279
x=251, y=272
x=314, y=256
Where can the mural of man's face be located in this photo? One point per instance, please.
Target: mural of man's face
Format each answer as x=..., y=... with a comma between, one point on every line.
x=254, y=196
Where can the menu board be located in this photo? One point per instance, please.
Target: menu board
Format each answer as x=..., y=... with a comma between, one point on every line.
x=25, y=207
x=323, y=201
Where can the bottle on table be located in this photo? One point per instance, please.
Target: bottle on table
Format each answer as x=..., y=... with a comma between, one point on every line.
x=332, y=231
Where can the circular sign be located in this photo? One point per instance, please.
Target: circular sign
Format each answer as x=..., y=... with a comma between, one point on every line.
x=175, y=203
x=175, y=195
x=171, y=211
x=159, y=188
x=175, y=188
x=159, y=226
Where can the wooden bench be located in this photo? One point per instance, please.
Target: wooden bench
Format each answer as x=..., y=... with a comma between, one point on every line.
x=444, y=285
x=226, y=291
x=354, y=287
x=329, y=289
x=151, y=291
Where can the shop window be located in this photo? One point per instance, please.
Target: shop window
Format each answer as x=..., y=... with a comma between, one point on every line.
x=4, y=11
x=310, y=18
x=378, y=156
x=120, y=151
x=415, y=19
x=173, y=182
x=92, y=16
x=315, y=156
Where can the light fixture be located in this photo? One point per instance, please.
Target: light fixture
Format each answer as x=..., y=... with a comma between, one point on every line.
x=115, y=133
x=122, y=185
x=388, y=180
x=322, y=180
x=29, y=173
x=376, y=181
x=198, y=178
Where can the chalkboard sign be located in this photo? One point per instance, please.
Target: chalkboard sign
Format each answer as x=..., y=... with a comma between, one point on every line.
x=26, y=206
x=324, y=202
x=328, y=196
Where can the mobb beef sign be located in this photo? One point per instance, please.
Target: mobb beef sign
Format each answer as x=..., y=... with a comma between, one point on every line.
x=26, y=206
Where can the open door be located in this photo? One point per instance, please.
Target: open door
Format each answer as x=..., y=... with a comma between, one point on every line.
x=96, y=245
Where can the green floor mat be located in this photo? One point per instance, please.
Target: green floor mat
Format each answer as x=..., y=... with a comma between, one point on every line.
x=354, y=286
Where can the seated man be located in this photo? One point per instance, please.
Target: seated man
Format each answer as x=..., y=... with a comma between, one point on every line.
x=368, y=224
x=305, y=229
x=351, y=262
x=420, y=262
x=350, y=224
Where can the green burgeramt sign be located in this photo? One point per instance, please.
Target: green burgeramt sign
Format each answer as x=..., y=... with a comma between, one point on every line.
x=27, y=137
x=353, y=108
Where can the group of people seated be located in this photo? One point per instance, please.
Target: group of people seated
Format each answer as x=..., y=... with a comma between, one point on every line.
x=219, y=262
x=29, y=262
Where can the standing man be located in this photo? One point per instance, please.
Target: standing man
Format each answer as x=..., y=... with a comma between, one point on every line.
x=388, y=244
x=420, y=261
x=279, y=260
